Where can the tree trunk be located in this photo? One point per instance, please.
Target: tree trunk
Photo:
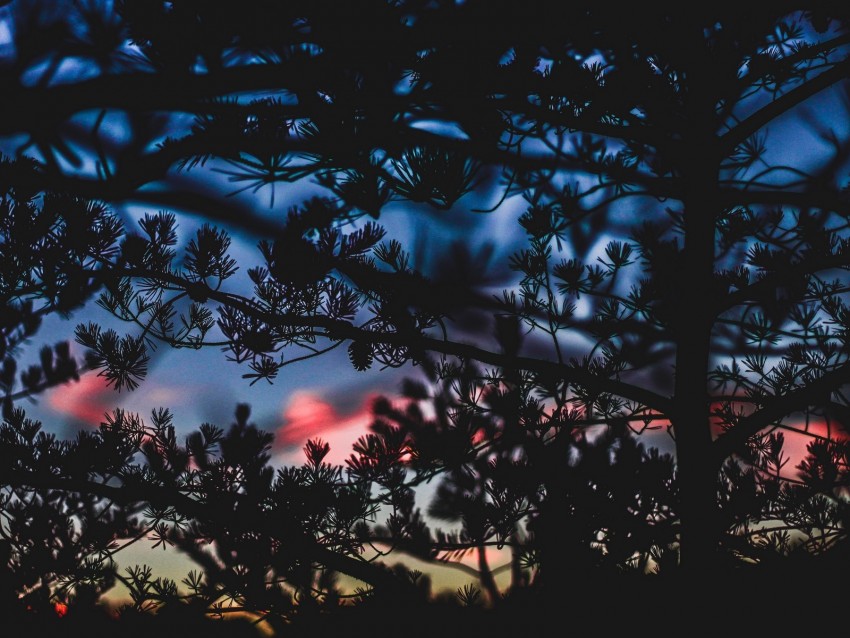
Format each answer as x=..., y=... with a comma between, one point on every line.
x=552, y=532
x=488, y=582
x=697, y=473
x=518, y=576
x=563, y=548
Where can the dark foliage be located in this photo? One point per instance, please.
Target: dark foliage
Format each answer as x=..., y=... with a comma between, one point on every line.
x=676, y=279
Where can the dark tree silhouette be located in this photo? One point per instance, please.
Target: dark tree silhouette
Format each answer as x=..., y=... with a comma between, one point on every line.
x=682, y=177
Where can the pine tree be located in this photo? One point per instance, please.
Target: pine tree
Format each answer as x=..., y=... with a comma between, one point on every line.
x=684, y=223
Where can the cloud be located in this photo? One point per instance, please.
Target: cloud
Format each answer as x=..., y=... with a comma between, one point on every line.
x=796, y=442
x=89, y=399
x=307, y=416
x=86, y=400
x=797, y=434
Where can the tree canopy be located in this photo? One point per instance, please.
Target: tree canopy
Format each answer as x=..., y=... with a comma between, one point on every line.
x=678, y=178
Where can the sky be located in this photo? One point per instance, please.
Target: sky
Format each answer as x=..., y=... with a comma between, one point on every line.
x=320, y=398
x=324, y=397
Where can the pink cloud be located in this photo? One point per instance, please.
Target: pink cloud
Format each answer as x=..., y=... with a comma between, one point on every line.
x=797, y=436
x=86, y=400
x=306, y=416
x=796, y=442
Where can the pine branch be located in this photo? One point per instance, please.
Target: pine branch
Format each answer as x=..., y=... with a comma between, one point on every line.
x=793, y=98
x=165, y=497
x=734, y=441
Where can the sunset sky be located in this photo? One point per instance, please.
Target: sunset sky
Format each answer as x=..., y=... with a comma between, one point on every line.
x=326, y=397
